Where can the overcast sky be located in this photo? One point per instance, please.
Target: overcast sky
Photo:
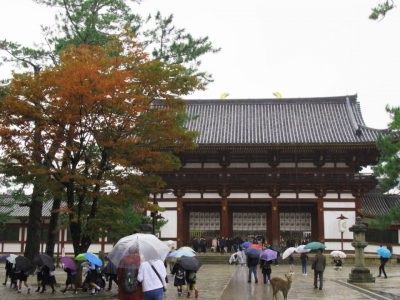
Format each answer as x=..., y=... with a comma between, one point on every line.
x=307, y=48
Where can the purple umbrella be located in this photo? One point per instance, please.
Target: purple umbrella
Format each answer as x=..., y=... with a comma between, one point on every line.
x=269, y=254
x=69, y=262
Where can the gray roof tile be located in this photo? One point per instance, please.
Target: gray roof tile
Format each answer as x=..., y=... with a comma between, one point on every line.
x=279, y=121
x=376, y=203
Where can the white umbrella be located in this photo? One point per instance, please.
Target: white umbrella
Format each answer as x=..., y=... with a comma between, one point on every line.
x=300, y=249
x=337, y=253
x=288, y=251
x=171, y=244
x=12, y=258
x=148, y=246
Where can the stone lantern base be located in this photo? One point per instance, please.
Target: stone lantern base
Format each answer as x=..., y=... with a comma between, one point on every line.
x=360, y=275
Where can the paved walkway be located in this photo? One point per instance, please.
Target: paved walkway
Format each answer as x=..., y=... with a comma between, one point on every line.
x=230, y=282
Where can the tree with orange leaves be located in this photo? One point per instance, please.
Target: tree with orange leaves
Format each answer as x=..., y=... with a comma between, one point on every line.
x=109, y=119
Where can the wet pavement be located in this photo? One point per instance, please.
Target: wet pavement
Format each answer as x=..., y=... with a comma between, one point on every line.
x=230, y=282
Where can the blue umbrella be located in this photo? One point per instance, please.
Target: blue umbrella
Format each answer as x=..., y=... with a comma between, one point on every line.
x=92, y=258
x=246, y=244
x=384, y=252
x=315, y=246
x=4, y=257
x=253, y=252
x=182, y=252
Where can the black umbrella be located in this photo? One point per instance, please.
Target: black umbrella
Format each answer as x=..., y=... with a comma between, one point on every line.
x=44, y=260
x=110, y=269
x=189, y=263
x=24, y=264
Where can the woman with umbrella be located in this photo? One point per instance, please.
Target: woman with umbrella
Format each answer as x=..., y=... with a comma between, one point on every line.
x=70, y=268
x=8, y=267
x=191, y=265
x=110, y=271
x=22, y=267
x=384, y=255
x=48, y=278
x=253, y=258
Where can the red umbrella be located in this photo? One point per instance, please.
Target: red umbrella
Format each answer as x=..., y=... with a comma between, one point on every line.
x=256, y=246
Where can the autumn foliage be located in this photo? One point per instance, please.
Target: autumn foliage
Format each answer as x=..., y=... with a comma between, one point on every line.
x=95, y=129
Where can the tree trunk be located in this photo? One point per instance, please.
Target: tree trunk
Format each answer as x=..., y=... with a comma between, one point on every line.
x=35, y=214
x=53, y=226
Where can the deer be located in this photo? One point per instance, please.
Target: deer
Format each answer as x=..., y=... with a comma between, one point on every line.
x=280, y=284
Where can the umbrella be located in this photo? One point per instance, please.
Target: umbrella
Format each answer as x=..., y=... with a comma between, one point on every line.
x=337, y=253
x=300, y=249
x=12, y=258
x=315, y=246
x=44, y=259
x=4, y=257
x=186, y=248
x=288, y=252
x=110, y=269
x=253, y=252
x=256, y=246
x=384, y=252
x=181, y=252
x=170, y=243
x=269, y=254
x=23, y=263
x=69, y=262
x=90, y=257
x=246, y=244
x=147, y=245
x=189, y=263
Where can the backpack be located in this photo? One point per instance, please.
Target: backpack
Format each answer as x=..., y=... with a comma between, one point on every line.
x=130, y=283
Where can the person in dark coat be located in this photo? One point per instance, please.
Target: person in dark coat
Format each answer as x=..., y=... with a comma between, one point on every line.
x=304, y=259
x=319, y=265
x=110, y=271
x=179, y=280
x=191, y=279
x=48, y=278
x=266, y=270
x=252, y=263
x=39, y=277
x=383, y=260
x=133, y=258
x=71, y=280
x=8, y=267
x=23, y=278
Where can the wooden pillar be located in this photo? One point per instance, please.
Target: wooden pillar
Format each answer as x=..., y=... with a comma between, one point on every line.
x=224, y=218
x=22, y=228
x=275, y=223
x=269, y=224
x=180, y=222
x=320, y=217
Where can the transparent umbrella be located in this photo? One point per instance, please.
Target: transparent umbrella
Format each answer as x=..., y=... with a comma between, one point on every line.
x=147, y=245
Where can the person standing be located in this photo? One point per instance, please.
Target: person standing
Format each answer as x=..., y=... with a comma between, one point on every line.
x=191, y=278
x=304, y=259
x=252, y=262
x=266, y=270
x=319, y=264
x=152, y=276
x=291, y=264
x=179, y=280
x=129, y=287
x=383, y=260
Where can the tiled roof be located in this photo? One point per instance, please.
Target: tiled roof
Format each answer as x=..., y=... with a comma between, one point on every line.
x=376, y=203
x=8, y=206
x=279, y=121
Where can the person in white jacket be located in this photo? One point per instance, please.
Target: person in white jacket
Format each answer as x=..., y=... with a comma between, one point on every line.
x=152, y=276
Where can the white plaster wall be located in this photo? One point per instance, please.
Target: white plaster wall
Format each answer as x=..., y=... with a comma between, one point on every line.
x=170, y=229
x=192, y=195
x=338, y=246
x=238, y=196
x=331, y=227
x=341, y=165
x=260, y=195
x=12, y=247
x=340, y=204
x=238, y=165
x=211, y=195
x=287, y=195
x=331, y=196
x=328, y=165
x=167, y=204
x=307, y=195
x=346, y=196
x=212, y=165
x=192, y=165
x=287, y=165
x=69, y=248
x=95, y=248
x=169, y=196
x=108, y=248
x=306, y=165
x=260, y=165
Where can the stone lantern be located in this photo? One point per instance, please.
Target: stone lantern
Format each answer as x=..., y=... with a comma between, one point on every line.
x=360, y=273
